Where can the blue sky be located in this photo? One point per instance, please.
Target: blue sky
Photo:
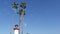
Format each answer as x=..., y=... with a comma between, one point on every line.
x=42, y=17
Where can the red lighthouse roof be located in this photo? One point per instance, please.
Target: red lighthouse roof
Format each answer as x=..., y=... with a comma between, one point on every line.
x=16, y=28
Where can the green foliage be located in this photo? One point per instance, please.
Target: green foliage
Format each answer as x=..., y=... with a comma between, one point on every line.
x=23, y=5
x=21, y=11
x=15, y=5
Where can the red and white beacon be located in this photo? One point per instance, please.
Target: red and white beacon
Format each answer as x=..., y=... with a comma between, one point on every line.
x=16, y=29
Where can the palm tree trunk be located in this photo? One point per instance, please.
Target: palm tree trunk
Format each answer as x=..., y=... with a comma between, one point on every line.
x=21, y=21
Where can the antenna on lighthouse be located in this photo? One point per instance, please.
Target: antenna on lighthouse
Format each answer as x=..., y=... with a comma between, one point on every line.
x=10, y=32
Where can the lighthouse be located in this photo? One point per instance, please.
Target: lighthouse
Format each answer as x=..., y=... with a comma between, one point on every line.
x=16, y=29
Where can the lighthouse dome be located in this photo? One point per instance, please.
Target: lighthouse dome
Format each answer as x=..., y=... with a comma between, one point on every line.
x=16, y=27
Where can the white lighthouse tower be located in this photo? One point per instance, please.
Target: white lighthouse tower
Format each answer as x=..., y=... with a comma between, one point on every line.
x=16, y=29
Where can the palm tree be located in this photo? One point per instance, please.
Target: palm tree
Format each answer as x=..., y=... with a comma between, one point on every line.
x=15, y=5
x=21, y=11
x=23, y=5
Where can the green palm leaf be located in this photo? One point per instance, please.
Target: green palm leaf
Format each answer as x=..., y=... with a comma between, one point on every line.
x=21, y=11
x=23, y=5
x=15, y=5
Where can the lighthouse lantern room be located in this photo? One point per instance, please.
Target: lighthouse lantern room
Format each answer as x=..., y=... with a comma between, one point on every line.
x=16, y=29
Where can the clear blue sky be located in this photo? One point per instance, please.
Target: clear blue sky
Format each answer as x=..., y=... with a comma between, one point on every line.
x=42, y=17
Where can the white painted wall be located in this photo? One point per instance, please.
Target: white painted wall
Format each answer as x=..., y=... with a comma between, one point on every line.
x=16, y=31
